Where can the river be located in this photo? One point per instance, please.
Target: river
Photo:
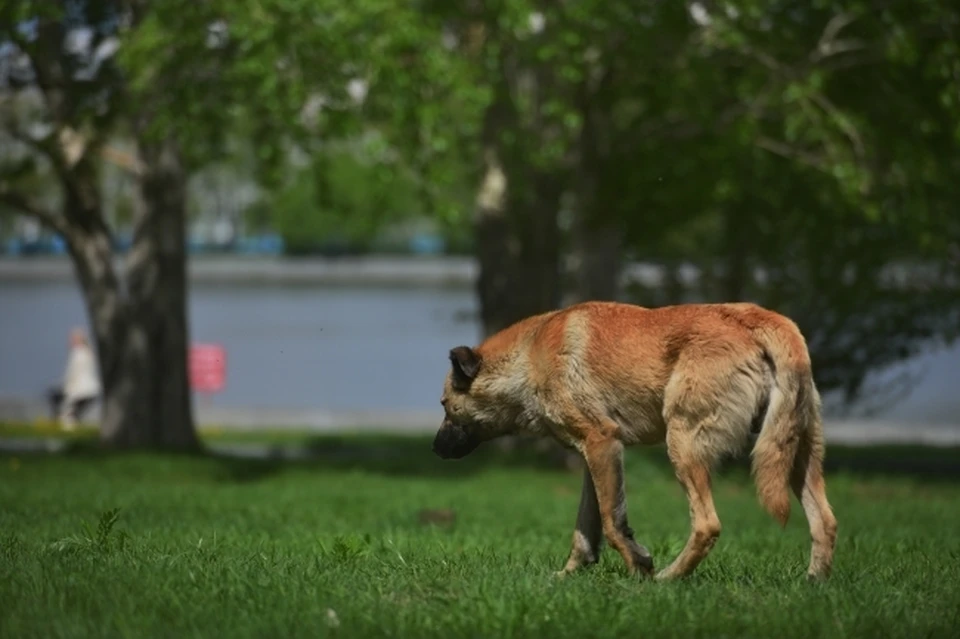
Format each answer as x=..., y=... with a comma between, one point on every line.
x=327, y=348
x=298, y=347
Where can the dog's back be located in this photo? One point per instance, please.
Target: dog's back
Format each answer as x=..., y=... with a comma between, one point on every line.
x=618, y=359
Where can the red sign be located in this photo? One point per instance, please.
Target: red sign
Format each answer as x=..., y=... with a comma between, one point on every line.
x=208, y=367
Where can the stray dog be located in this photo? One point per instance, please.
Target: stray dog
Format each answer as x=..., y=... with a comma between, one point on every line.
x=598, y=376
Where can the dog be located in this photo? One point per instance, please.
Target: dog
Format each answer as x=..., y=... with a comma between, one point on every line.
x=703, y=378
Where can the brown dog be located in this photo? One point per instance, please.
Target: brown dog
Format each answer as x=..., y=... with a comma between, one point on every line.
x=599, y=376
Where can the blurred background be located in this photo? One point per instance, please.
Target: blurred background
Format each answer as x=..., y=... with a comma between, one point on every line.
x=273, y=213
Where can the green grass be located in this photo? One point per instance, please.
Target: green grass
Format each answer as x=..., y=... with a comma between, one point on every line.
x=335, y=546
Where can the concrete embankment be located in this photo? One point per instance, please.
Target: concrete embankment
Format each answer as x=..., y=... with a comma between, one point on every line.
x=347, y=271
x=391, y=271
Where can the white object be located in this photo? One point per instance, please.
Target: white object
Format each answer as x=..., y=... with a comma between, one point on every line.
x=80, y=380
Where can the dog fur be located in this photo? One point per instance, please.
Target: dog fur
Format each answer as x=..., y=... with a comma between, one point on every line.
x=599, y=376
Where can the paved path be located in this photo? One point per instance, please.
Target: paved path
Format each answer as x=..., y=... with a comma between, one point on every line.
x=855, y=432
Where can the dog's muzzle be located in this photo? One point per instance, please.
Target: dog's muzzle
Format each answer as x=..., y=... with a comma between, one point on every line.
x=453, y=441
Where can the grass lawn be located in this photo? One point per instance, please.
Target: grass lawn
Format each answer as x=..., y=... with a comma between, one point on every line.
x=339, y=546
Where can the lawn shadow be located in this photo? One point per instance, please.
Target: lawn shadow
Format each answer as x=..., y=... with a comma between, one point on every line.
x=395, y=455
x=401, y=455
x=930, y=464
x=411, y=456
x=389, y=455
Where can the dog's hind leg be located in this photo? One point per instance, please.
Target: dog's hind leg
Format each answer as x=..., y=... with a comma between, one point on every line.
x=694, y=475
x=709, y=405
x=808, y=485
x=588, y=535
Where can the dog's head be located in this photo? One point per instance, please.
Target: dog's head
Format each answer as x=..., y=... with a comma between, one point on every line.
x=469, y=418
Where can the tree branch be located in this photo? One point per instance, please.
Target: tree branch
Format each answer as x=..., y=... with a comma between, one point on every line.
x=21, y=203
x=43, y=77
x=65, y=146
x=786, y=151
x=829, y=43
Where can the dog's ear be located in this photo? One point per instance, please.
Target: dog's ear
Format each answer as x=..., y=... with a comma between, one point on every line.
x=466, y=365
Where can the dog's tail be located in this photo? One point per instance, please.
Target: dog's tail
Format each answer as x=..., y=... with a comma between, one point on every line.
x=792, y=417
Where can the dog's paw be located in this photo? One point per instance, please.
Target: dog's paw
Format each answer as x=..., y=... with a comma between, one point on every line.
x=667, y=575
x=643, y=563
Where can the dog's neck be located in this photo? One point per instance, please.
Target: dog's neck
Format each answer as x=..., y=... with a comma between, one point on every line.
x=517, y=404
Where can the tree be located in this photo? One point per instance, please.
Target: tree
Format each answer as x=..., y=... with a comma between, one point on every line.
x=138, y=321
x=807, y=193
x=743, y=140
x=177, y=78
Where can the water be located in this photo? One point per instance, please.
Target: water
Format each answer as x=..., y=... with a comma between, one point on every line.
x=333, y=349
x=292, y=348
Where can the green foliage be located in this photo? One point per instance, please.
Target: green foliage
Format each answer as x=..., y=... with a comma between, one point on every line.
x=262, y=77
x=340, y=197
x=798, y=155
x=242, y=548
x=205, y=68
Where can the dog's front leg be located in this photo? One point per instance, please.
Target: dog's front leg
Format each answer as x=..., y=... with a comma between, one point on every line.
x=604, y=458
x=588, y=534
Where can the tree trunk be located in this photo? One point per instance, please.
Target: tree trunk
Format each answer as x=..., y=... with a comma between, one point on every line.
x=518, y=248
x=515, y=228
x=598, y=240
x=538, y=286
x=141, y=328
x=599, y=250
x=494, y=250
x=736, y=276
